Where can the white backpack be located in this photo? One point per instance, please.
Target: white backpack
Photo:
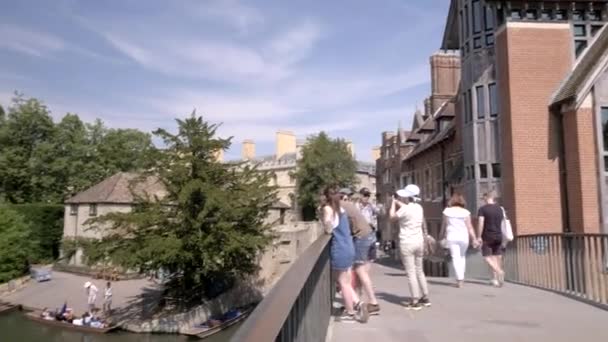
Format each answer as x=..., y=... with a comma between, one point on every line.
x=507, y=230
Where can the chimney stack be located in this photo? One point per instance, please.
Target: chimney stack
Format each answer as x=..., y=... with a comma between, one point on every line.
x=351, y=148
x=285, y=143
x=248, y=151
x=219, y=156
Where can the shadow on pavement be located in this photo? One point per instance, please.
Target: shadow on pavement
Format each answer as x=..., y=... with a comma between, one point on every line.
x=391, y=298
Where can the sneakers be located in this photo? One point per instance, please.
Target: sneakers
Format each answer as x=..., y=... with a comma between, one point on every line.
x=373, y=309
x=362, y=312
x=414, y=306
x=424, y=301
x=347, y=318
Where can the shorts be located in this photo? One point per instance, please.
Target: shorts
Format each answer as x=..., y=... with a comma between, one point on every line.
x=492, y=247
x=365, y=248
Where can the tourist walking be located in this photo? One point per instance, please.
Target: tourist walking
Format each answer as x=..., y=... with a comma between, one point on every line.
x=107, y=299
x=457, y=231
x=370, y=211
x=410, y=216
x=489, y=228
x=91, y=291
x=342, y=255
x=364, y=240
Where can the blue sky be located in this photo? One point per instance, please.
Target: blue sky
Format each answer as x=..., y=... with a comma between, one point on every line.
x=353, y=68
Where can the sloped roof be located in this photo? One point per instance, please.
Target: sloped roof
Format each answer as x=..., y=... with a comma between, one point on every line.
x=118, y=188
x=418, y=120
x=451, y=38
x=437, y=138
x=585, y=72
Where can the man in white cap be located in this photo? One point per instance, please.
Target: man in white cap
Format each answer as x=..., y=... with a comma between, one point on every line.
x=91, y=291
x=410, y=215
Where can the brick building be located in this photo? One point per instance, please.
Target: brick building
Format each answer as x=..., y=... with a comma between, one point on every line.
x=526, y=117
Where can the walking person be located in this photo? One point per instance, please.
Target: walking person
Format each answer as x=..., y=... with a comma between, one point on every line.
x=457, y=230
x=364, y=240
x=107, y=299
x=91, y=291
x=342, y=255
x=370, y=211
x=489, y=225
x=410, y=215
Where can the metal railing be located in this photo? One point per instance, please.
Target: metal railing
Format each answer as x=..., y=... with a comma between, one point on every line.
x=568, y=263
x=298, y=307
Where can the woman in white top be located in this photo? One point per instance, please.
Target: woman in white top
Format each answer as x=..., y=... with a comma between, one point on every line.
x=457, y=230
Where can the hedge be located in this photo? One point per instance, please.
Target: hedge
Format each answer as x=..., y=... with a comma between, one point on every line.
x=46, y=229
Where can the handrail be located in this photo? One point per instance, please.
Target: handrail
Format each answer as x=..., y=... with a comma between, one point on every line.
x=573, y=264
x=269, y=318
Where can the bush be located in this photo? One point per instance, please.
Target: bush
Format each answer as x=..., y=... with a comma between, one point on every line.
x=45, y=222
x=15, y=244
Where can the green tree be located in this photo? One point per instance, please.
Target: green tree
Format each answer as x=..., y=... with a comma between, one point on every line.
x=209, y=228
x=124, y=149
x=324, y=162
x=14, y=245
x=27, y=127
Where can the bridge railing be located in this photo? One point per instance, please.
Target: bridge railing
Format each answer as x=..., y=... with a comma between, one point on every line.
x=298, y=307
x=571, y=264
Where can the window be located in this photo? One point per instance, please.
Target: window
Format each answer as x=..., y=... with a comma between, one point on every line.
x=473, y=172
x=595, y=29
x=531, y=14
x=493, y=99
x=580, y=31
x=466, y=21
x=481, y=102
x=496, y=170
x=476, y=16
x=427, y=183
x=466, y=47
x=73, y=209
x=515, y=14
x=483, y=171
x=438, y=178
x=465, y=107
x=605, y=127
x=490, y=39
x=561, y=15
x=93, y=210
x=470, y=106
x=579, y=46
x=488, y=18
x=545, y=15
x=462, y=37
x=577, y=15
x=594, y=15
x=605, y=163
x=477, y=43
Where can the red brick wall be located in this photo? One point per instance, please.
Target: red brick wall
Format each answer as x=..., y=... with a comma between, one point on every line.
x=532, y=60
x=581, y=170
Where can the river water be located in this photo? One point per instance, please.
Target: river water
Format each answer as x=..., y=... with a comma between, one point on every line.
x=14, y=327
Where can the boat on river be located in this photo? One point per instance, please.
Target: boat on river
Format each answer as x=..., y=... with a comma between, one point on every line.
x=214, y=326
x=35, y=316
x=6, y=307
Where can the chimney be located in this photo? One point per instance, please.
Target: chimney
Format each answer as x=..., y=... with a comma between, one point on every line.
x=248, y=151
x=375, y=153
x=351, y=147
x=445, y=77
x=286, y=143
x=219, y=156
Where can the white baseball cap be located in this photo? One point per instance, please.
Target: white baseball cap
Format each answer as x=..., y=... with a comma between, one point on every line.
x=87, y=284
x=410, y=190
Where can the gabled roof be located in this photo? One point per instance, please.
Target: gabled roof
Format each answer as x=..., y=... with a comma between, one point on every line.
x=418, y=120
x=437, y=138
x=119, y=189
x=586, y=71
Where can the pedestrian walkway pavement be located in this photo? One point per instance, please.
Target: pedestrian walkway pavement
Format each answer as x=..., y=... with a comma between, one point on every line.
x=69, y=287
x=476, y=312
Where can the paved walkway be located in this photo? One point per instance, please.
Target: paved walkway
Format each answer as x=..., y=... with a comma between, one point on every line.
x=477, y=312
x=69, y=287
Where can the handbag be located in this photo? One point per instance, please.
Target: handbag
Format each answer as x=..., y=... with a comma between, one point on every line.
x=430, y=246
x=505, y=227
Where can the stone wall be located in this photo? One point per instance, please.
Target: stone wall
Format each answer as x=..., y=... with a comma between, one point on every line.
x=13, y=285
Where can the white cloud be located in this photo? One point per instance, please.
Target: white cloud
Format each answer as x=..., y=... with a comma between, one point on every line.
x=28, y=41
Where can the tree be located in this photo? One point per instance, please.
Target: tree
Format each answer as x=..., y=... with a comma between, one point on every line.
x=324, y=162
x=209, y=228
x=124, y=149
x=14, y=245
x=27, y=127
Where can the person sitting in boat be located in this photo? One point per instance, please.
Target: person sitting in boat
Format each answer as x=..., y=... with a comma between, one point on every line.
x=78, y=321
x=86, y=319
x=46, y=314
x=60, y=314
x=69, y=315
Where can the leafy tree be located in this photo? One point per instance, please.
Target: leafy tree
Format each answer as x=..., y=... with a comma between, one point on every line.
x=124, y=149
x=27, y=127
x=324, y=162
x=14, y=245
x=2, y=115
x=209, y=228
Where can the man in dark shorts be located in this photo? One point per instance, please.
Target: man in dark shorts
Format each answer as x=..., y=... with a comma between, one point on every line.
x=489, y=230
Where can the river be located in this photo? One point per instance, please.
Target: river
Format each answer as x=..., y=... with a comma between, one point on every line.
x=14, y=327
